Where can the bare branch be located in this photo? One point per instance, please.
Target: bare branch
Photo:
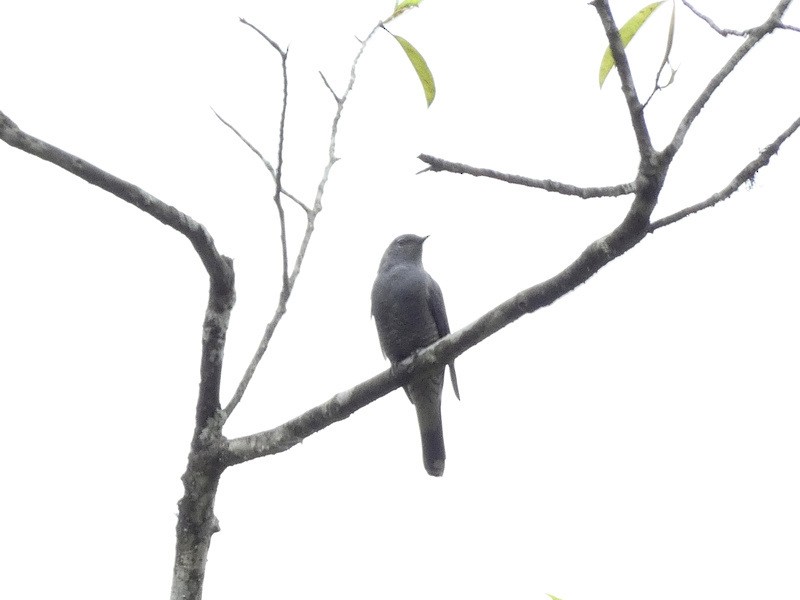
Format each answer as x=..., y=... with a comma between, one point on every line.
x=311, y=218
x=755, y=35
x=330, y=89
x=269, y=40
x=714, y=26
x=278, y=170
x=443, y=352
x=219, y=268
x=746, y=174
x=255, y=150
x=635, y=107
x=279, y=173
x=264, y=161
x=439, y=164
x=296, y=201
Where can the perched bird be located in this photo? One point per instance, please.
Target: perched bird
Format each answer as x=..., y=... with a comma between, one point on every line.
x=409, y=313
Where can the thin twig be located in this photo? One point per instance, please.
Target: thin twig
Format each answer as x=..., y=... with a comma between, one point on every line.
x=255, y=150
x=294, y=199
x=714, y=26
x=278, y=172
x=746, y=174
x=311, y=215
x=272, y=43
x=278, y=177
x=330, y=89
x=439, y=164
x=265, y=162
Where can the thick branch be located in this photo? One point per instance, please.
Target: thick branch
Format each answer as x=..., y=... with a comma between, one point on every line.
x=597, y=255
x=440, y=164
x=746, y=174
x=217, y=266
x=443, y=352
x=755, y=36
x=220, y=269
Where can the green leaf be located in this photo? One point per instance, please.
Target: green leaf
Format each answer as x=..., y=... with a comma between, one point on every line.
x=421, y=67
x=553, y=597
x=401, y=7
x=626, y=32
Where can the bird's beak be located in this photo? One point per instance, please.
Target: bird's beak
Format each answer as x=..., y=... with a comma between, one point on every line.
x=425, y=238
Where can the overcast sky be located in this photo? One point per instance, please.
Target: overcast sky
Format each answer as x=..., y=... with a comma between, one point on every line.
x=638, y=439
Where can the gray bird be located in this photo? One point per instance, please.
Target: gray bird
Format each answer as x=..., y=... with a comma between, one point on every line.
x=409, y=313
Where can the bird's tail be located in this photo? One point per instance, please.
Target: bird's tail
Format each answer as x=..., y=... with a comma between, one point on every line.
x=426, y=394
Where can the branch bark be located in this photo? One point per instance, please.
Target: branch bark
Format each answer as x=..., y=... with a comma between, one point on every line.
x=755, y=35
x=439, y=164
x=196, y=521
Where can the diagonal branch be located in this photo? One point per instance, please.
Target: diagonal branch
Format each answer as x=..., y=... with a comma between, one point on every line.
x=261, y=157
x=215, y=264
x=444, y=351
x=594, y=257
x=755, y=35
x=440, y=164
x=311, y=215
x=746, y=174
x=247, y=143
x=219, y=268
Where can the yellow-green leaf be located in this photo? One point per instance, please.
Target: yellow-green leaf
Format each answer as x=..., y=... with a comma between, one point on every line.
x=626, y=32
x=421, y=67
x=401, y=7
x=553, y=597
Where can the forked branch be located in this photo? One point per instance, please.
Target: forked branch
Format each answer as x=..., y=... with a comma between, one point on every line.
x=290, y=277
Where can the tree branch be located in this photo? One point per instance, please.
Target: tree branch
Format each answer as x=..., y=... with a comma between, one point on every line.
x=216, y=265
x=635, y=107
x=247, y=143
x=311, y=215
x=263, y=160
x=754, y=36
x=277, y=172
x=440, y=164
x=714, y=26
x=444, y=351
x=219, y=268
x=746, y=174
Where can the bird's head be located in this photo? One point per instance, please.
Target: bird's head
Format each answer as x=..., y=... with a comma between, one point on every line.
x=404, y=249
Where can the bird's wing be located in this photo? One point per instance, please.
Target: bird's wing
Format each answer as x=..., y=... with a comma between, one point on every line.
x=436, y=306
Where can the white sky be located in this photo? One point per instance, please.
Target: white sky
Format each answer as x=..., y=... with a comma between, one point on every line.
x=638, y=439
